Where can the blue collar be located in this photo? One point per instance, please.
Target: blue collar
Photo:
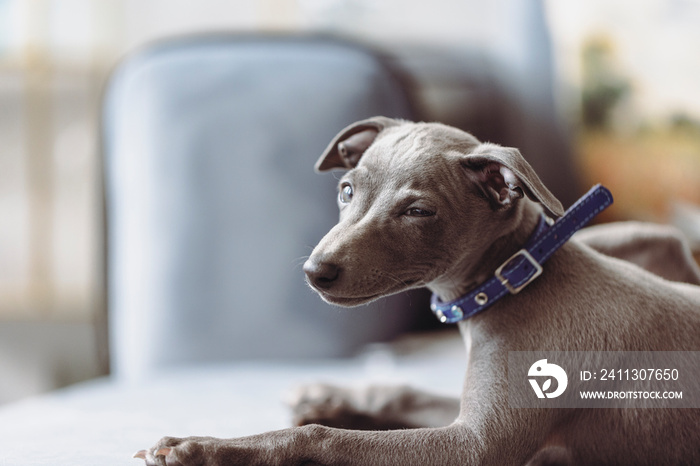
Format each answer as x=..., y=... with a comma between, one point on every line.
x=525, y=265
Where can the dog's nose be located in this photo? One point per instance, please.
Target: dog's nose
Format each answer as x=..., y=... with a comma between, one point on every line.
x=321, y=274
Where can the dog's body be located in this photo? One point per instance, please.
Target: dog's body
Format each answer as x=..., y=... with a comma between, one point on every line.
x=428, y=205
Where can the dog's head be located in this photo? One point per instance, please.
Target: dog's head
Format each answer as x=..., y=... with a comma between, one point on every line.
x=417, y=199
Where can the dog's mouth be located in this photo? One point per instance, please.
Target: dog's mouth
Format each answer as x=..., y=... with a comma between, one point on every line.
x=347, y=300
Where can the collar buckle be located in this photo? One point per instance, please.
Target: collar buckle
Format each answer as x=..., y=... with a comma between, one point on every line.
x=536, y=267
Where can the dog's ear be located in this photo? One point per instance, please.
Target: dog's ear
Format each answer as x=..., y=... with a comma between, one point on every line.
x=505, y=176
x=348, y=145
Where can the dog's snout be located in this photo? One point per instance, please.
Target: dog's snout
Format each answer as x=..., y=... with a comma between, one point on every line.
x=321, y=274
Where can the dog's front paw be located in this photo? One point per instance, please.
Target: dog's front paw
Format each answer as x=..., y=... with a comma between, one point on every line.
x=321, y=404
x=332, y=406
x=191, y=451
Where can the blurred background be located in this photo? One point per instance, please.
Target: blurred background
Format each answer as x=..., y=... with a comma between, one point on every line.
x=622, y=77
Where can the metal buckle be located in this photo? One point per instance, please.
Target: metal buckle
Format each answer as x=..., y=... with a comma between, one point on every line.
x=504, y=280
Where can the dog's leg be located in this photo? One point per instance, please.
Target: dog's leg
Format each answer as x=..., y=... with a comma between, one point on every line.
x=371, y=408
x=315, y=444
x=659, y=249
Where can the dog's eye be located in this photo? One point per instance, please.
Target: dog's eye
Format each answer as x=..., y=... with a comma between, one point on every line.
x=345, y=194
x=418, y=212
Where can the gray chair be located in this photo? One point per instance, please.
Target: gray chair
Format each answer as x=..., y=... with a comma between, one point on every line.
x=212, y=203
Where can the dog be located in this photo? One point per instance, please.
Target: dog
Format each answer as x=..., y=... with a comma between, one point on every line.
x=428, y=205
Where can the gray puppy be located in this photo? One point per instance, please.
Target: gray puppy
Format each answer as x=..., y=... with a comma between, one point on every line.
x=426, y=205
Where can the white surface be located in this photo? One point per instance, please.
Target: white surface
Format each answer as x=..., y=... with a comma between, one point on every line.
x=104, y=422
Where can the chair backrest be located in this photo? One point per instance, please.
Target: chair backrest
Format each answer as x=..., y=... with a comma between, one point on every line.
x=212, y=203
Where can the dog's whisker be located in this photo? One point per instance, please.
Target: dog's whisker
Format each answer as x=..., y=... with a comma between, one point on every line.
x=394, y=278
x=299, y=261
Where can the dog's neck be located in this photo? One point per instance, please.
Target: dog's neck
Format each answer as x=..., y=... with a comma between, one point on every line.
x=474, y=270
